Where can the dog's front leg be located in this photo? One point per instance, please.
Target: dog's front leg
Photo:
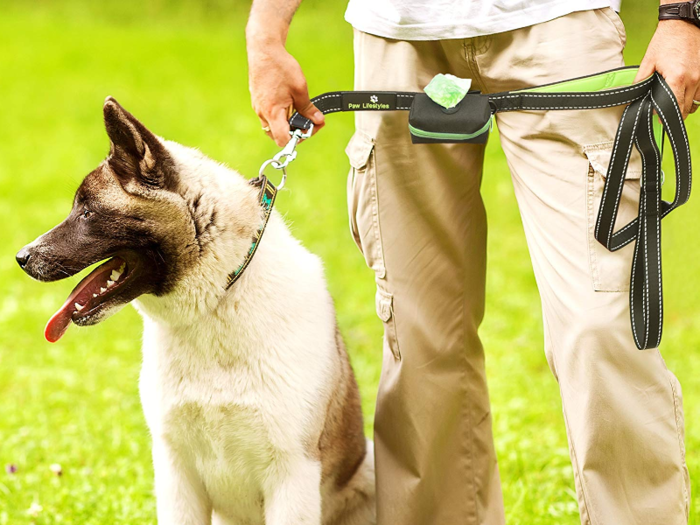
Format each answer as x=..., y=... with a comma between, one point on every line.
x=180, y=495
x=293, y=496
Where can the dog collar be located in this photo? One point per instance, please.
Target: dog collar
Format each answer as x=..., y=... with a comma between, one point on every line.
x=266, y=198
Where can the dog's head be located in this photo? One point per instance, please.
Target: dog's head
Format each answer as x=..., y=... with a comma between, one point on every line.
x=128, y=213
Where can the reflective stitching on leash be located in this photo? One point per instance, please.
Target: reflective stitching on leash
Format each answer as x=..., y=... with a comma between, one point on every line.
x=612, y=162
x=677, y=200
x=623, y=242
x=622, y=182
x=405, y=96
x=332, y=95
x=637, y=249
x=657, y=224
x=641, y=240
x=672, y=98
x=587, y=95
x=632, y=311
x=539, y=108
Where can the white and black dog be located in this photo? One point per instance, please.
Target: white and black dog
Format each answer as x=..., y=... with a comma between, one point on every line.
x=252, y=405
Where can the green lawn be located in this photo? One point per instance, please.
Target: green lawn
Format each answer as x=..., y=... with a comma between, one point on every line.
x=179, y=65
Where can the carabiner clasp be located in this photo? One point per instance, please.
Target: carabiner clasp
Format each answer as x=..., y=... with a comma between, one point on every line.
x=282, y=159
x=288, y=153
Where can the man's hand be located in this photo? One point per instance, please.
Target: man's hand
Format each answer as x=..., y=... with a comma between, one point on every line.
x=276, y=81
x=674, y=51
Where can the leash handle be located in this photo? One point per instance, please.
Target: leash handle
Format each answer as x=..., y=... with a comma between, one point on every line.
x=637, y=129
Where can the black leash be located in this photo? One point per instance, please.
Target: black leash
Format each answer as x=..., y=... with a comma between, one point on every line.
x=636, y=129
x=268, y=193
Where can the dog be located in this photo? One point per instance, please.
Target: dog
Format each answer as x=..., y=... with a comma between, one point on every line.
x=248, y=392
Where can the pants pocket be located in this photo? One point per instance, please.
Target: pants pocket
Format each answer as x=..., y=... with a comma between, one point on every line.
x=363, y=209
x=610, y=270
x=362, y=201
x=385, y=310
x=616, y=22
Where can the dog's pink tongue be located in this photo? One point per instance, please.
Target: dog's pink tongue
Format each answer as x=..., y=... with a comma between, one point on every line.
x=82, y=294
x=58, y=324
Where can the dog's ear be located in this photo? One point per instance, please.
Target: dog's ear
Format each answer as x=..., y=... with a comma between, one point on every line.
x=136, y=154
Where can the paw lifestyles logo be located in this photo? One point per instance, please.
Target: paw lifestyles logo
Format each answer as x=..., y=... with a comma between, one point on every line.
x=361, y=101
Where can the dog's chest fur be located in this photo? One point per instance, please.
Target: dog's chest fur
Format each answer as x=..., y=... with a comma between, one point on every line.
x=232, y=451
x=230, y=393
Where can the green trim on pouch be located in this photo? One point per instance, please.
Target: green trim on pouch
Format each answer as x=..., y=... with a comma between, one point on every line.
x=450, y=136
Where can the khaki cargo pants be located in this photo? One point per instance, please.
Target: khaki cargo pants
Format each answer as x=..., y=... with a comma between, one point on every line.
x=418, y=217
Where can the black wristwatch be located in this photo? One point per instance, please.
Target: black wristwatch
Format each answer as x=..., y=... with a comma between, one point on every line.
x=688, y=11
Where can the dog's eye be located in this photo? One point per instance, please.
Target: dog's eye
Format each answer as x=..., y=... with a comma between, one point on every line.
x=86, y=214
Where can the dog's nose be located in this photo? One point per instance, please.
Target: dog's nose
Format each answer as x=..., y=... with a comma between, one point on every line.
x=23, y=257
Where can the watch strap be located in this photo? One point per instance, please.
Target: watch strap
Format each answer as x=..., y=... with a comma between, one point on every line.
x=679, y=11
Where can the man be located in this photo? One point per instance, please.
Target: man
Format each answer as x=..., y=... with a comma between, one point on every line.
x=418, y=217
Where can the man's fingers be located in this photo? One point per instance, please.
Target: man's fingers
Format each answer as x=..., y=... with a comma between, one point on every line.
x=696, y=98
x=678, y=91
x=306, y=108
x=279, y=126
x=687, y=106
x=646, y=69
x=312, y=113
x=266, y=127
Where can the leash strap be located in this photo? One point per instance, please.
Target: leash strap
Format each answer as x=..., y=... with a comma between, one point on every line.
x=335, y=101
x=637, y=129
x=266, y=198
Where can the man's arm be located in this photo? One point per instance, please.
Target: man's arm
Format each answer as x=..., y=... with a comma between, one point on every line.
x=674, y=51
x=275, y=78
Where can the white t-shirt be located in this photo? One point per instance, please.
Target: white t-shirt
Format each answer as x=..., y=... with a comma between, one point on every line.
x=445, y=19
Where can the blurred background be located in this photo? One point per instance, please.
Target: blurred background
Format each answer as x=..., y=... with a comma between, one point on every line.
x=180, y=67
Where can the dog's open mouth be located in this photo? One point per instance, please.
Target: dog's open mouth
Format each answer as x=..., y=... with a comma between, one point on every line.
x=92, y=295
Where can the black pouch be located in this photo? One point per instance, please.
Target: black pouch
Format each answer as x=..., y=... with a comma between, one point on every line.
x=468, y=122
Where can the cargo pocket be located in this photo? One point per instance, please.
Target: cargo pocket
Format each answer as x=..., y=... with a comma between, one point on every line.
x=362, y=201
x=610, y=270
x=385, y=311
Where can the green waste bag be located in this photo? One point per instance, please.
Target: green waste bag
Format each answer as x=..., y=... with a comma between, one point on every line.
x=447, y=90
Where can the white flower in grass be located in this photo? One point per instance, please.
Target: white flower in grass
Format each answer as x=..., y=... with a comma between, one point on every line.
x=56, y=469
x=34, y=509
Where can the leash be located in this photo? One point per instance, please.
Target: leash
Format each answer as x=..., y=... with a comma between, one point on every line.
x=268, y=193
x=471, y=120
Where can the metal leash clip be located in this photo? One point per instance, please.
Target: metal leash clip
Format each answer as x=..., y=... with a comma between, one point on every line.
x=282, y=159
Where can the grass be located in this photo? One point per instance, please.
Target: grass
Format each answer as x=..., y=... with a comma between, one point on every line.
x=180, y=67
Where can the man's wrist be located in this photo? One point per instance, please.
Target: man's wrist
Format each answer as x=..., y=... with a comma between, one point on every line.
x=269, y=21
x=266, y=34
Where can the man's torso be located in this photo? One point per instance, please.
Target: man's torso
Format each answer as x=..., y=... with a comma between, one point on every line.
x=448, y=19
